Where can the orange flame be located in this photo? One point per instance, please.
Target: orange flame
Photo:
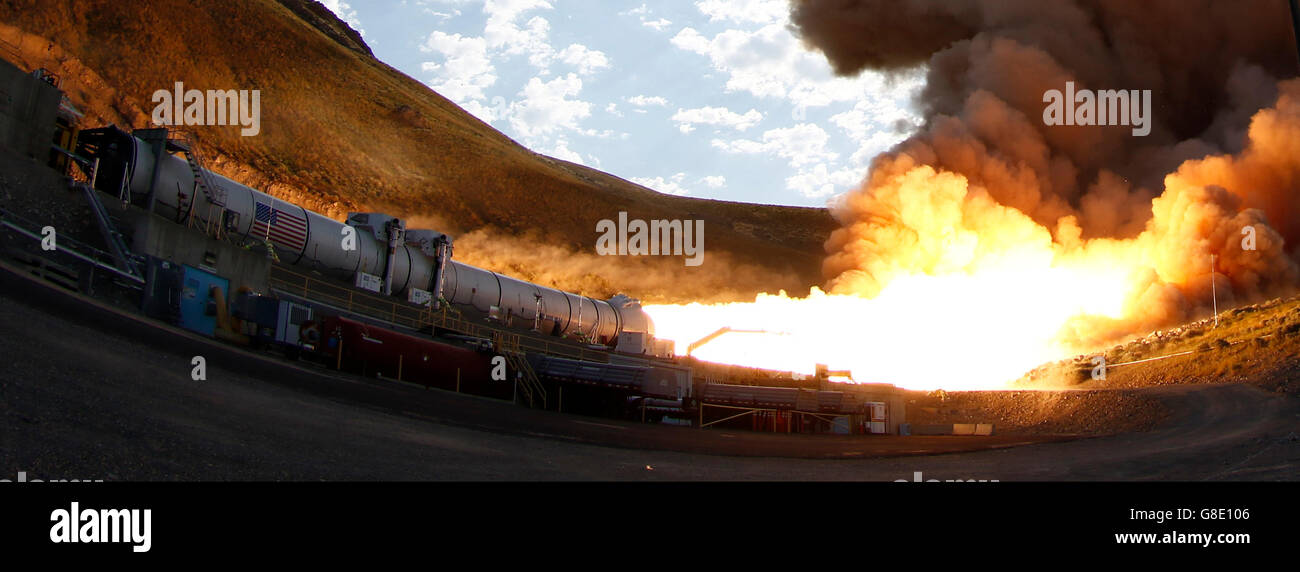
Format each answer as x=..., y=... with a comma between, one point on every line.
x=943, y=287
x=975, y=317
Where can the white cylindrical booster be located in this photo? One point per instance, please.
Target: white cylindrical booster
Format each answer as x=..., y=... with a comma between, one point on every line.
x=319, y=246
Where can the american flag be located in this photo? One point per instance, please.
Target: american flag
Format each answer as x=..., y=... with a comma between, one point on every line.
x=285, y=229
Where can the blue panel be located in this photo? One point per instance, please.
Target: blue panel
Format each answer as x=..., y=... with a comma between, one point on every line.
x=196, y=300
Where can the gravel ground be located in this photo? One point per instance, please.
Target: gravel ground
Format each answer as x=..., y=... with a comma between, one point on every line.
x=38, y=193
x=82, y=401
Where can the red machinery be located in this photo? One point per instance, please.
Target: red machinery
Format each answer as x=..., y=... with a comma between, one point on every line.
x=373, y=351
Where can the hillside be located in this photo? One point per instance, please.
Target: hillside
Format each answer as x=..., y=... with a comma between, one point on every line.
x=344, y=132
x=1257, y=344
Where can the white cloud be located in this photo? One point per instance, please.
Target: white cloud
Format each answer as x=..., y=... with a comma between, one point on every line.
x=714, y=181
x=670, y=186
x=692, y=41
x=602, y=133
x=819, y=181
x=646, y=101
x=503, y=30
x=440, y=9
x=545, y=107
x=465, y=70
x=770, y=62
x=875, y=114
x=643, y=14
x=487, y=113
x=800, y=145
x=345, y=13
x=560, y=150
x=546, y=112
x=585, y=60
x=764, y=62
x=757, y=11
x=717, y=116
x=746, y=45
x=877, y=123
x=641, y=10
x=657, y=25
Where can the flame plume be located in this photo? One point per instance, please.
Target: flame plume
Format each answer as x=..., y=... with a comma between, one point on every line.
x=988, y=242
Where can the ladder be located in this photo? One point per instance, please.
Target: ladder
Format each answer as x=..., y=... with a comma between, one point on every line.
x=213, y=192
x=529, y=385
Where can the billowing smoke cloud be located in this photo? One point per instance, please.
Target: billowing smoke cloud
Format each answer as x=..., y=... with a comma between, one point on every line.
x=986, y=178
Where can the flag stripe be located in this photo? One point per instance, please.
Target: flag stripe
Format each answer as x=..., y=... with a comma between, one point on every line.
x=283, y=228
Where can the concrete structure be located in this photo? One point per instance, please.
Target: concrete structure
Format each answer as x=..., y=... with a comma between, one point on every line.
x=156, y=236
x=29, y=107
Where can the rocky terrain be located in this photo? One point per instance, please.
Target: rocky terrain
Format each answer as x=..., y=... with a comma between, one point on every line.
x=1097, y=412
x=1257, y=344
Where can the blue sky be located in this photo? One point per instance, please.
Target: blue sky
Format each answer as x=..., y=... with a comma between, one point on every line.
x=706, y=98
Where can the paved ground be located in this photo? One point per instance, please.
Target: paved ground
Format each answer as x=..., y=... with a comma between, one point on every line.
x=89, y=394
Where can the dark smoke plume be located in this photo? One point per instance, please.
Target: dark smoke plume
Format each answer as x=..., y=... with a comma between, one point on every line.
x=1223, y=151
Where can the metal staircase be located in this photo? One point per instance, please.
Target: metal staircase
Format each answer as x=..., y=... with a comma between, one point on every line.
x=216, y=196
x=116, y=242
x=530, y=386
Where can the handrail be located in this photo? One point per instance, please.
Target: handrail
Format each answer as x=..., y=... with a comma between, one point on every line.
x=215, y=194
x=61, y=246
x=507, y=344
x=417, y=318
x=118, y=249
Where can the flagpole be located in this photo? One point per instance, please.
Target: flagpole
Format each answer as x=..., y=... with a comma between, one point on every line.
x=270, y=219
x=266, y=240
